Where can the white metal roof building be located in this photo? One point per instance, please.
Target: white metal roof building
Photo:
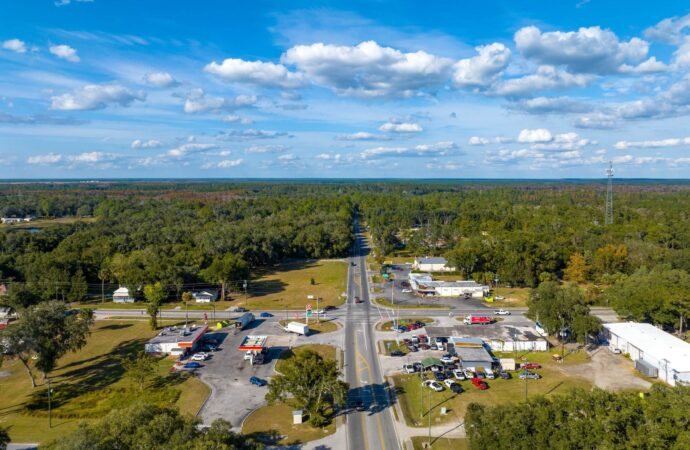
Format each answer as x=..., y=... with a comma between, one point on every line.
x=176, y=341
x=432, y=264
x=645, y=342
x=424, y=284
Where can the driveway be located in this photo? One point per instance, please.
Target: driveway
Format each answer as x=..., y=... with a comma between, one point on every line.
x=608, y=371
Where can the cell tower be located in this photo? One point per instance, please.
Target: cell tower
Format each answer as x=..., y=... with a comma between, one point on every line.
x=608, y=218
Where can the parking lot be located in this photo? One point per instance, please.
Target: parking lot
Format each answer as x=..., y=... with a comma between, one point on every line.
x=227, y=373
x=400, y=283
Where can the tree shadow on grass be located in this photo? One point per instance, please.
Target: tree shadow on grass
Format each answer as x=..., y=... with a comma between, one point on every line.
x=269, y=437
x=102, y=372
x=116, y=326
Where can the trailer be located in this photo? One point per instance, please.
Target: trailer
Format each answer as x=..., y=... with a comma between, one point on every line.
x=244, y=320
x=298, y=328
x=480, y=320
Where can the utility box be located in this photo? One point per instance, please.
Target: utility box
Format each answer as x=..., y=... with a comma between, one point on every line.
x=297, y=416
x=646, y=369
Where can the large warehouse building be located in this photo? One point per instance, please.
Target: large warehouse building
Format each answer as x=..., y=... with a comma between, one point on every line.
x=654, y=351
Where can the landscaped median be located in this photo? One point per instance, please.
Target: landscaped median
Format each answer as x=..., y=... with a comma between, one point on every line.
x=273, y=423
x=388, y=325
x=90, y=383
x=414, y=398
x=387, y=304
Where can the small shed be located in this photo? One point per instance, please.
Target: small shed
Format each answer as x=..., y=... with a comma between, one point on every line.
x=297, y=416
x=507, y=363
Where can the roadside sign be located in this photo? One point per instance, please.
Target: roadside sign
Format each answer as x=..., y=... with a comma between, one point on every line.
x=310, y=297
x=309, y=306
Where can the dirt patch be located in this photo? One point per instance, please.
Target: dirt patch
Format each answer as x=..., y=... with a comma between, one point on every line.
x=608, y=371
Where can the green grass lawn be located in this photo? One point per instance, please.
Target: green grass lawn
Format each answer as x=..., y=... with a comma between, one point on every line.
x=515, y=297
x=326, y=352
x=386, y=303
x=391, y=346
x=325, y=326
x=289, y=284
x=440, y=443
x=388, y=326
x=414, y=398
x=88, y=384
x=273, y=424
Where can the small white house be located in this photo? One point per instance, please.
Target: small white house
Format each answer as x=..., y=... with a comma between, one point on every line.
x=432, y=264
x=652, y=348
x=205, y=296
x=121, y=295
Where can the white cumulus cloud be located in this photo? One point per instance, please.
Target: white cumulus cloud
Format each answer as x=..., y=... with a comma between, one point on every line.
x=660, y=143
x=233, y=118
x=545, y=78
x=437, y=149
x=198, y=101
x=479, y=140
x=483, y=69
x=160, y=79
x=144, y=144
x=96, y=96
x=537, y=135
x=50, y=158
x=15, y=45
x=587, y=50
x=401, y=127
x=256, y=72
x=65, y=52
x=368, y=69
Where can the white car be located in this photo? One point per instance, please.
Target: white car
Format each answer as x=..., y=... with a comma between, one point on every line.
x=459, y=375
x=489, y=374
x=448, y=382
x=248, y=356
x=468, y=373
x=408, y=368
x=502, y=312
x=435, y=385
x=447, y=359
x=499, y=297
x=201, y=356
x=407, y=291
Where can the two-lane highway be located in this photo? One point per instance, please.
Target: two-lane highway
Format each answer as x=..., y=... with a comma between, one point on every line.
x=371, y=427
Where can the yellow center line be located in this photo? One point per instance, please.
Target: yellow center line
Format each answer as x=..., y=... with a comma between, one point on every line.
x=378, y=416
x=364, y=425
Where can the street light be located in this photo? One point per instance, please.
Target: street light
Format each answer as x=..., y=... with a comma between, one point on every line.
x=524, y=373
x=50, y=411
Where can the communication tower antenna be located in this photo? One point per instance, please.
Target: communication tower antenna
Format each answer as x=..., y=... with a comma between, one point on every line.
x=608, y=219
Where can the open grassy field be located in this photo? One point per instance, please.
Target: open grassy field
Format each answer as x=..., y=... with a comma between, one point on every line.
x=391, y=346
x=325, y=326
x=326, y=352
x=88, y=384
x=44, y=223
x=272, y=424
x=414, y=398
x=515, y=297
x=440, y=443
x=288, y=284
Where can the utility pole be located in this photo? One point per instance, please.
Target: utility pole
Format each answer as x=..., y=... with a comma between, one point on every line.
x=608, y=216
x=524, y=372
x=318, y=316
x=246, y=298
x=429, y=414
x=50, y=411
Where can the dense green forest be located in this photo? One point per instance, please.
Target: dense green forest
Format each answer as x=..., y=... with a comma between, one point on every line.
x=142, y=235
x=585, y=420
x=524, y=232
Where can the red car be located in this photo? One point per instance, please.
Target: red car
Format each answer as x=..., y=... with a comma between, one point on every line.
x=479, y=384
x=531, y=366
x=358, y=300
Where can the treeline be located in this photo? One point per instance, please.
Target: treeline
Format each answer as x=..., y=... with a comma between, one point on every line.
x=585, y=420
x=172, y=239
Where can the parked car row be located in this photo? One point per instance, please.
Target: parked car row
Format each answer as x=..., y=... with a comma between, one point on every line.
x=409, y=327
x=454, y=372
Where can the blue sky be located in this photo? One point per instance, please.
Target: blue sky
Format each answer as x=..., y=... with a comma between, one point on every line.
x=492, y=89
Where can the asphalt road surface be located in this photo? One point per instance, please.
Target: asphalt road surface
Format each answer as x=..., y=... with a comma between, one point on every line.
x=372, y=426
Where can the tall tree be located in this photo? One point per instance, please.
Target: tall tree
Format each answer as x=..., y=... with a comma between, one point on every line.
x=577, y=269
x=140, y=368
x=4, y=438
x=226, y=269
x=149, y=427
x=46, y=332
x=311, y=382
x=154, y=294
